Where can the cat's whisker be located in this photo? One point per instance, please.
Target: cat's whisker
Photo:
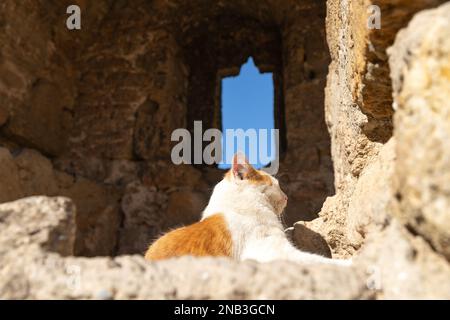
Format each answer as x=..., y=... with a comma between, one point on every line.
x=282, y=220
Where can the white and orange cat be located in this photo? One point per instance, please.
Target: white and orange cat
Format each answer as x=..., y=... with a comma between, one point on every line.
x=241, y=221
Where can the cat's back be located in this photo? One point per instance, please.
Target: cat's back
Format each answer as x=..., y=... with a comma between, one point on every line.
x=209, y=237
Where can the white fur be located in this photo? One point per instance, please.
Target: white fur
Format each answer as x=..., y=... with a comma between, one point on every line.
x=252, y=213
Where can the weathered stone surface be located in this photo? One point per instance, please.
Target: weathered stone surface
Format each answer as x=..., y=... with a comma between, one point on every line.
x=89, y=99
x=122, y=172
x=90, y=167
x=36, y=173
x=3, y=116
x=184, y=207
x=100, y=107
x=168, y=176
x=140, y=104
x=358, y=98
x=331, y=225
x=358, y=103
x=346, y=219
x=36, y=83
x=421, y=76
x=393, y=264
x=307, y=240
x=44, y=109
x=143, y=209
x=10, y=187
x=29, y=173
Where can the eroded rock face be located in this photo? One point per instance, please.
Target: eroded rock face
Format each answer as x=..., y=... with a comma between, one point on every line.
x=98, y=218
x=402, y=266
x=101, y=105
x=307, y=240
x=10, y=188
x=391, y=197
x=368, y=209
x=29, y=173
x=143, y=210
x=38, y=222
x=421, y=73
x=36, y=173
x=185, y=207
x=358, y=107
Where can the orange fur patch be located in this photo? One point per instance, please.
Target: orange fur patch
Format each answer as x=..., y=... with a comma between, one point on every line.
x=209, y=237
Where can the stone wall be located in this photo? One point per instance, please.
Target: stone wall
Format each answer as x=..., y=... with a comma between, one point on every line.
x=391, y=205
x=87, y=115
x=40, y=230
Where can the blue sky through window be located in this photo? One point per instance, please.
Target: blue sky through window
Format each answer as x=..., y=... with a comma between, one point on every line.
x=248, y=103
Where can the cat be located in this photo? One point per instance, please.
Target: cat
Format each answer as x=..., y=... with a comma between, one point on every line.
x=241, y=221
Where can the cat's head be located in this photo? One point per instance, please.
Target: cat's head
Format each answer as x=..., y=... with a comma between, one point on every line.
x=257, y=182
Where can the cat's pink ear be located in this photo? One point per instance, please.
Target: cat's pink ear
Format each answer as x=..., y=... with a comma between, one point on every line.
x=240, y=166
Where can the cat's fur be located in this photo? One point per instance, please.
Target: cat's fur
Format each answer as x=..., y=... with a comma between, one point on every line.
x=241, y=221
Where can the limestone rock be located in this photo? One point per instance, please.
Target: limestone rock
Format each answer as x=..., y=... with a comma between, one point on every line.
x=401, y=266
x=122, y=172
x=368, y=209
x=346, y=219
x=3, y=116
x=36, y=85
x=143, y=209
x=331, y=225
x=36, y=173
x=89, y=167
x=307, y=240
x=358, y=96
x=99, y=107
x=184, y=207
x=420, y=72
x=97, y=217
x=32, y=228
x=145, y=141
x=169, y=177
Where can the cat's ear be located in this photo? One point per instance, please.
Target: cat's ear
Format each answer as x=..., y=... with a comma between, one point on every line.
x=240, y=167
